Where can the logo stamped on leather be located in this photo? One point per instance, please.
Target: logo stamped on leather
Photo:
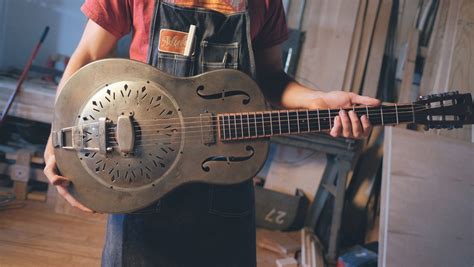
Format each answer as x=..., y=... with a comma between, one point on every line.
x=172, y=41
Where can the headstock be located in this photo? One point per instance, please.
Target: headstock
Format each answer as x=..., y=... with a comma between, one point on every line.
x=446, y=110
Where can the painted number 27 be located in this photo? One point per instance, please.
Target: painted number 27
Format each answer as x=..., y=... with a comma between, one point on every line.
x=275, y=216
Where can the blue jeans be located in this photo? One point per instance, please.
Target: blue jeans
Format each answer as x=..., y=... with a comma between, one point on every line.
x=196, y=225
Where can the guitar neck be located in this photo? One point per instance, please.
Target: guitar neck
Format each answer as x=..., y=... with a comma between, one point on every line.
x=250, y=125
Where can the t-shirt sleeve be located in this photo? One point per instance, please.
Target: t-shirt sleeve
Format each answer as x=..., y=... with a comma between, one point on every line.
x=274, y=30
x=112, y=15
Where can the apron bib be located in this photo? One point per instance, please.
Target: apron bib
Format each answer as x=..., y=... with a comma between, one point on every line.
x=197, y=224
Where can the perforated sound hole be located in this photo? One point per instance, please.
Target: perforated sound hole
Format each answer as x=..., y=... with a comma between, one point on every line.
x=156, y=122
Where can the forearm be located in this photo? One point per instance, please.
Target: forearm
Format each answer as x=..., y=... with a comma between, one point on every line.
x=283, y=91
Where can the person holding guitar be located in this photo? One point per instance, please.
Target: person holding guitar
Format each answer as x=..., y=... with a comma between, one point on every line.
x=197, y=224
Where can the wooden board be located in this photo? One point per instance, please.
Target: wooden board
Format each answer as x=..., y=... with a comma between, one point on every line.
x=444, y=67
x=406, y=20
x=406, y=92
x=34, y=101
x=355, y=44
x=294, y=168
x=434, y=49
x=427, y=211
x=366, y=40
x=283, y=243
x=374, y=63
x=329, y=27
x=462, y=64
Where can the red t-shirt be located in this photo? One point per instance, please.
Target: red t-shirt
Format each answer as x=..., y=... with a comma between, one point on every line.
x=268, y=25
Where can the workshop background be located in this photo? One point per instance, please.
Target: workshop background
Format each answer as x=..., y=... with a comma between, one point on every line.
x=402, y=197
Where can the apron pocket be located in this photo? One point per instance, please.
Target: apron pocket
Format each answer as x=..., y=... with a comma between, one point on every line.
x=216, y=56
x=231, y=200
x=177, y=65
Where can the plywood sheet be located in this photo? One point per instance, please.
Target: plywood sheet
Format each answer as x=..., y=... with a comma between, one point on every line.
x=294, y=168
x=374, y=62
x=329, y=27
x=366, y=40
x=355, y=45
x=427, y=215
x=462, y=64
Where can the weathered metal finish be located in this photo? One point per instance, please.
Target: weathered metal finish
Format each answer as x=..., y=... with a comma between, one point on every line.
x=171, y=121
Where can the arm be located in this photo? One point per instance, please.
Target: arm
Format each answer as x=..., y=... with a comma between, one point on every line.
x=282, y=90
x=96, y=43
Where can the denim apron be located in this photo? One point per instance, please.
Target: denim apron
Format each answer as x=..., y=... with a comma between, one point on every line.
x=197, y=224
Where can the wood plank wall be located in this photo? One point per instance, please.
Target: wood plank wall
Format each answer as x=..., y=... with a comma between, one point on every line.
x=427, y=209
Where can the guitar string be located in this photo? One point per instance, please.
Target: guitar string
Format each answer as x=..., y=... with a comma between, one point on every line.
x=189, y=137
x=290, y=112
x=321, y=111
x=259, y=119
x=198, y=137
x=265, y=123
x=238, y=133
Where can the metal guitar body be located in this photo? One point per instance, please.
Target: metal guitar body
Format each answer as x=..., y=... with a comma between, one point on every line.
x=127, y=134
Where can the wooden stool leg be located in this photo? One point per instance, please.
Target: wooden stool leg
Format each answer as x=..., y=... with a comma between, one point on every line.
x=20, y=189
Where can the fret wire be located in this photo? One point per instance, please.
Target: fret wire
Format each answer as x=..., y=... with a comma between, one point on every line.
x=396, y=112
x=255, y=120
x=241, y=125
x=279, y=121
x=235, y=125
x=391, y=114
x=319, y=121
x=248, y=123
x=307, y=120
x=223, y=119
x=223, y=127
x=230, y=130
x=330, y=120
x=298, y=121
x=271, y=123
x=381, y=114
x=288, y=119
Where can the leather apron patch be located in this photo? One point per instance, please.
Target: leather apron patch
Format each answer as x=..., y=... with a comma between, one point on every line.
x=172, y=41
x=226, y=7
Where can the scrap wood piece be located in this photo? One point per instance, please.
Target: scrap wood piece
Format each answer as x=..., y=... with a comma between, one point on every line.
x=406, y=94
x=374, y=63
x=34, y=101
x=287, y=262
x=279, y=242
x=329, y=30
x=31, y=93
x=355, y=44
x=434, y=49
x=446, y=54
x=366, y=40
x=462, y=65
x=295, y=168
x=406, y=20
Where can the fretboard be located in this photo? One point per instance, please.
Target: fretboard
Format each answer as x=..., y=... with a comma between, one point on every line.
x=248, y=125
